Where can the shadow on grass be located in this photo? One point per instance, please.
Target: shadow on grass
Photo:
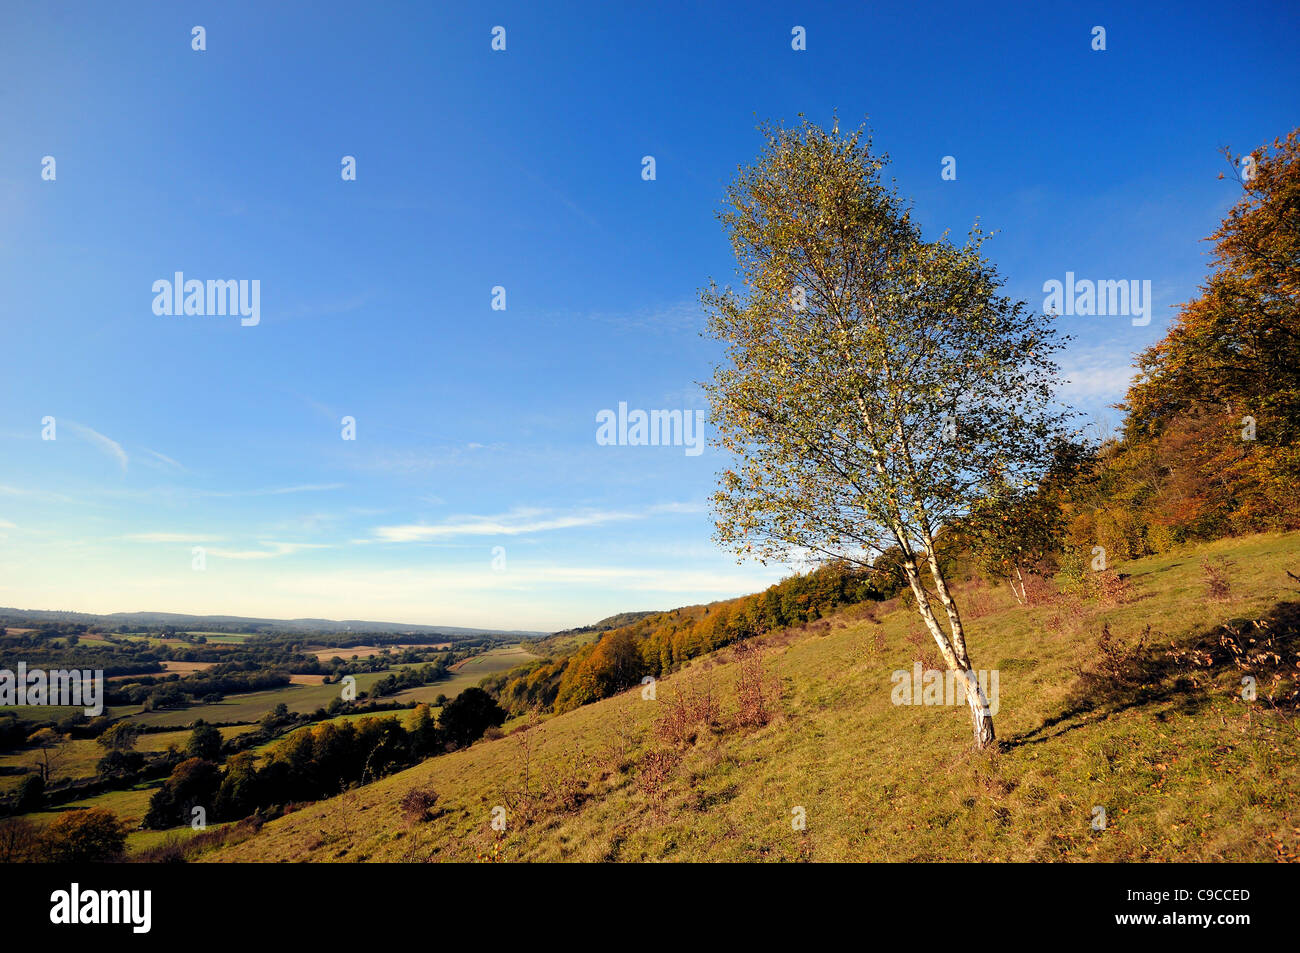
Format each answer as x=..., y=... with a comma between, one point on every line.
x=1183, y=676
x=1156, y=572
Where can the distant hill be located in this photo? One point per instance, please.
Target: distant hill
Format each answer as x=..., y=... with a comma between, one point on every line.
x=609, y=622
x=16, y=617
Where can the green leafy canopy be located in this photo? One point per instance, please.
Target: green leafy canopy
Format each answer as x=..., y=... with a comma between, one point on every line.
x=877, y=385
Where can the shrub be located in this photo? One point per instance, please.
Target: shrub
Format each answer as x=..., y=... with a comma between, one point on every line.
x=684, y=714
x=1161, y=538
x=655, y=771
x=417, y=805
x=978, y=602
x=1215, y=572
x=1117, y=664
x=84, y=837
x=117, y=763
x=751, y=693
x=20, y=841
x=1112, y=588
x=1037, y=589
x=1073, y=573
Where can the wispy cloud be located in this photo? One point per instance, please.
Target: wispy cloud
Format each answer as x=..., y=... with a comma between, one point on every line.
x=170, y=537
x=182, y=493
x=1094, y=373
x=274, y=491
x=272, y=551
x=396, y=585
x=519, y=521
x=513, y=523
x=163, y=459
x=323, y=410
x=43, y=495
x=417, y=461
x=109, y=446
x=326, y=308
x=679, y=317
x=544, y=184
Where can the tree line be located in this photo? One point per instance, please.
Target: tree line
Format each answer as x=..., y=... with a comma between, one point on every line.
x=314, y=762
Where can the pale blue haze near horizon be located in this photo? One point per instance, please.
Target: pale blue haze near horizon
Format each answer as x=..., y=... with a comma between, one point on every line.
x=476, y=428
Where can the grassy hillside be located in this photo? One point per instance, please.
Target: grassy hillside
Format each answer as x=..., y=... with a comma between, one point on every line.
x=1184, y=768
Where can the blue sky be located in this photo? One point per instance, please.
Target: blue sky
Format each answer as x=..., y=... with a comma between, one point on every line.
x=476, y=428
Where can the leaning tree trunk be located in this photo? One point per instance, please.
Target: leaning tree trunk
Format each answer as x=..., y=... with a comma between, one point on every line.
x=981, y=716
x=952, y=649
x=954, y=655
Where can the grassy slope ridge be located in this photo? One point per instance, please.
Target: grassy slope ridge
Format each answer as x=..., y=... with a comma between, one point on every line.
x=1193, y=773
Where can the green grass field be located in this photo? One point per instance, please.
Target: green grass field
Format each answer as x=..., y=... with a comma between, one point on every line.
x=469, y=673
x=38, y=714
x=1185, y=771
x=250, y=707
x=137, y=841
x=129, y=805
x=226, y=638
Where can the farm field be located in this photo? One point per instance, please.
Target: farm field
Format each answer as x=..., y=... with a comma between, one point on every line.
x=169, y=668
x=306, y=698
x=186, y=668
x=213, y=638
x=469, y=673
x=365, y=651
x=226, y=638
x=252, y=706
x=43, y=713
x=129, y=805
